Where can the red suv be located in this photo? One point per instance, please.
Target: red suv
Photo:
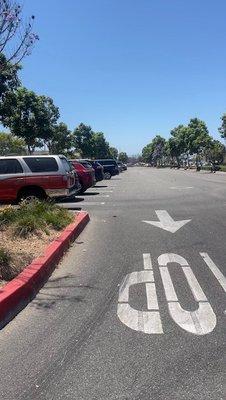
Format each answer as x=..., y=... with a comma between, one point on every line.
x=85, y=173
x=23, y=177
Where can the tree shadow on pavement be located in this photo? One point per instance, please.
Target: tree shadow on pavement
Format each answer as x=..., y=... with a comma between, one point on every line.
x=71, y=200
x=56, y=291
x=90, y=193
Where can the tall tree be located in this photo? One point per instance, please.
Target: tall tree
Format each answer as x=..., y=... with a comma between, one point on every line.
x=113, y=153
x=8, y=77
x=178, y=144
x=198, y=136
x=11, y=145
x=83, y=140
x=173, y=150
x=147, y=152
x=9, y=81
x=16, y=41
x=222, y=129
x=31, y=117
x=180, y=134
x=123, y=157
x=215, y=152
x=100, y=146
x=61, y=141
x=158, y=145
x=154, y=152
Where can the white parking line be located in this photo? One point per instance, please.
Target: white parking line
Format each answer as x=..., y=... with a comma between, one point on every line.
x=147, y=261
x=182, y=187
x=80, y=204
x=92, y=203
x=105, y=191
x=215, y=270
x=98, y=196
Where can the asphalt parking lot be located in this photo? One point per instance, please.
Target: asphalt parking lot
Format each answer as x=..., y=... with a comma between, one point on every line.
x=136, y=309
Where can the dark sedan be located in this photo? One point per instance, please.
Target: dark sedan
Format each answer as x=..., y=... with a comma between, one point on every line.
x=98, y=169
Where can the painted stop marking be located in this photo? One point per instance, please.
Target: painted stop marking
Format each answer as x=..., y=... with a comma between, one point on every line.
x=199, y=322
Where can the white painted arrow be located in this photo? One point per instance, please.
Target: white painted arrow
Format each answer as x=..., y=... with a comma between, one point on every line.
x=166, y=222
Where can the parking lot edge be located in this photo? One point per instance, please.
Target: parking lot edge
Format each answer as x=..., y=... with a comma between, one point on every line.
x=16, y=294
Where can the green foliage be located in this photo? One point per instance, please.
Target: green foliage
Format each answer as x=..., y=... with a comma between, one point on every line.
x=193, y=139
x=31, y=117
x=222, y=129
x=61, y=141
x=8, y=78
x=100, y=147
x=34, y=216
x=90, y=144
x=154, y=151
x=147, y=153
x=215, y=151
x=197, y=137
x=16, y=41
x=123, y=157
x=8, y=83
x=11, y=145
x=27, y=224
x=172, y=150
x=58, y=218
x=83, y=142
x=113, y=153
x=180, y=135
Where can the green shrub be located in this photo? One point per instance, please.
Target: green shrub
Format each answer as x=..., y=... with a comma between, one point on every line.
x=27, y=224
x=58, y=218
x=34, y=216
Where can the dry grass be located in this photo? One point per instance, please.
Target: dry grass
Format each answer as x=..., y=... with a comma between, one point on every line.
x=41, y=223
x=23, y=250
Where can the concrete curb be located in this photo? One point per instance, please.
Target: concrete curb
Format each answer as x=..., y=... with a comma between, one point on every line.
x=15, y=295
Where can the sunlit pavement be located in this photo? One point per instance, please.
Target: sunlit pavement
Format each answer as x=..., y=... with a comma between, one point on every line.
x=136, y=309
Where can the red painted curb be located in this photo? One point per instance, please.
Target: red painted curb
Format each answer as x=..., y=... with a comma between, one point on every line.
x=15, y=295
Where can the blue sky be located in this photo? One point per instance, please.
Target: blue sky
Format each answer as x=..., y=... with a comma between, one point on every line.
x=130, y=68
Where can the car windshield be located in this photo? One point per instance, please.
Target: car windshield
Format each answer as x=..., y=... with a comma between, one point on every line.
x=41, y=164
x=67, y=165
x=85, y=164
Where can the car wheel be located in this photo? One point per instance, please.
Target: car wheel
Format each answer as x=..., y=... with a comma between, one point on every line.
x=107, y=175
x=31, y=195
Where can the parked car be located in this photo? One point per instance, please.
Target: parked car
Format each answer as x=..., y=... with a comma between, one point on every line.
x=28, y=177
x=122, y=166
x=85, y=173
x=119, y=163
x=215, y=167
x=110, y=167
x=98, y=169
